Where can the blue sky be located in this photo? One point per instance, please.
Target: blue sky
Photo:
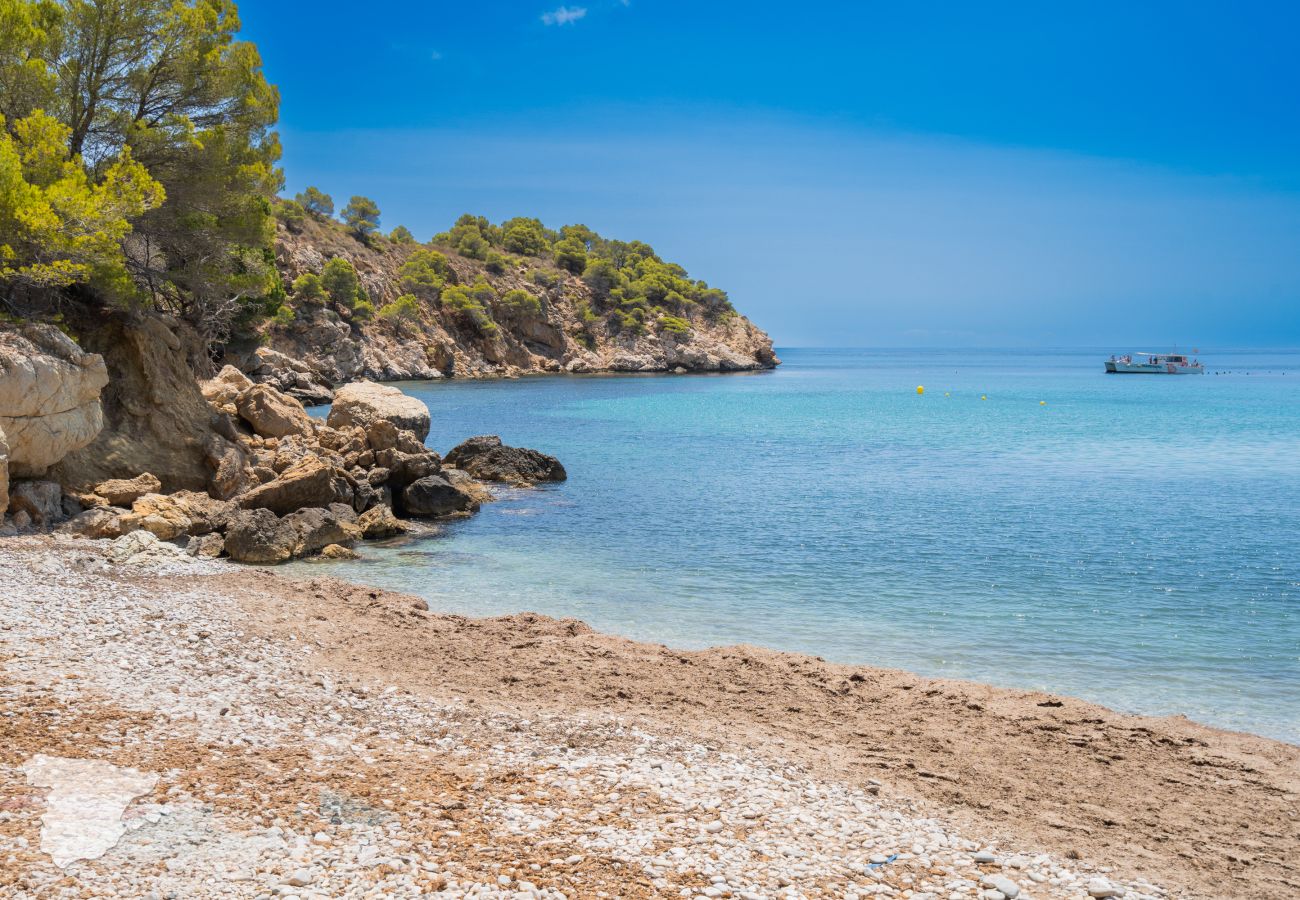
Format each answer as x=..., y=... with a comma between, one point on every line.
x=874, y=174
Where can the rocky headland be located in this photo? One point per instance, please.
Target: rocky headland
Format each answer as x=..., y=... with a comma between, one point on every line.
x=564, y=326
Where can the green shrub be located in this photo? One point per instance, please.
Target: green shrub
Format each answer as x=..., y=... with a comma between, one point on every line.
x=401, y=235
x=496, y=263
x=340, y=281
x=524, y=236
x=405, y=307
x=291, y=214
x=308, y=288
x=467, y=304
x=363, y=309
x=520, y=304
x=571, y=255
x=674, y=324
x=283, y=316
x=543, y=278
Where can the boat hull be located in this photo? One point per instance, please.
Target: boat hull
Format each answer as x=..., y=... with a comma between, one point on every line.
x=1119, y=367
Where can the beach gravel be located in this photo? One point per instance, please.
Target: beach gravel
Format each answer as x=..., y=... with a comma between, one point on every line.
x=289, y=761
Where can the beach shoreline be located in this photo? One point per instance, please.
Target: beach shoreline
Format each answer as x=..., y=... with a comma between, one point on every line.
x=1176, y=807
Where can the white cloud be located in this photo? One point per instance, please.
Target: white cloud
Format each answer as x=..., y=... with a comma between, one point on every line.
x=564, y=15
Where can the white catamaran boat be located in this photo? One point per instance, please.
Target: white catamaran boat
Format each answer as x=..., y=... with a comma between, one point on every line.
x=1154, y=364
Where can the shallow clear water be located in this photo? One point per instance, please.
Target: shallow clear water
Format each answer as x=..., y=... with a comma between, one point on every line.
x=1135, y=541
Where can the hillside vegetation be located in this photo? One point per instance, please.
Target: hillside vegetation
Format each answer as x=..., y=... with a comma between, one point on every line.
x=482, y=299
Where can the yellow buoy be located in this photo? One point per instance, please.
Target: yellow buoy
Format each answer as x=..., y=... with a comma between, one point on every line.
x=1042, y=402
x=984, y=396
x=947, y=393
x=920, y=389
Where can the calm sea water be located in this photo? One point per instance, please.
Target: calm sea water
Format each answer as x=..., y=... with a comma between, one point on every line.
x=1134, y=541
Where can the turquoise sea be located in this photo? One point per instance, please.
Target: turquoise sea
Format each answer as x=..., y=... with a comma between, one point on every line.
x=1131, y=540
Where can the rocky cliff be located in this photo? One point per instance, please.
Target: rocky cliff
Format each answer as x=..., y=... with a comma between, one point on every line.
x=564, y=330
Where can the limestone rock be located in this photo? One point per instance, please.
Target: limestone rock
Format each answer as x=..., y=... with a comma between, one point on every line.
x=379, y=522
x=259, y=536
x=184, y=512
x=468, y=485
x=404, y=468
x=487, y=459
x=225, y=387
x=335, y=551
x=125, y=491
x=364, y=402
x=103, y=522
x=49, y=397
x=271, y=413
x=155, y=417
x=42, y=501
x=434, y=496
x=206, y=546
x=318, y=528
x=309, y=483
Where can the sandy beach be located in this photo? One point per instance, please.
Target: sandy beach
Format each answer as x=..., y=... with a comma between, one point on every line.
x=313, y=738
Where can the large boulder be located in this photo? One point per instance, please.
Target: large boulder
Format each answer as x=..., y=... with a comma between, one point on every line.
x=185, y=512
x=318, y=528
x=259, y=536
x=379, y=522
x=435, y=496
x=102, y=522
x=49, y=397
x=312, y=482
x=224, y=388
x=364, y=402
x=487, y=459
x=271, y=413
x=125, y=491
x=41, y=501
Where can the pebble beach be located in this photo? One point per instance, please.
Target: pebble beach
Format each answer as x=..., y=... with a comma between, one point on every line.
x=273, y=761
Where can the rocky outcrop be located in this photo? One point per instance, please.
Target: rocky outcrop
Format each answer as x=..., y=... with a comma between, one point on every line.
x=366, y=404
x=125, y=491
x=487, y=459
x=571, y=330
x=271, y=413
x=260, y=536
x=39, y=503
x=155, y=418
x=311, y=482
x=49, y=397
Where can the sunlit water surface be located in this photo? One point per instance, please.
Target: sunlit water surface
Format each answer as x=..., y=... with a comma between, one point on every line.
x=1131, y=540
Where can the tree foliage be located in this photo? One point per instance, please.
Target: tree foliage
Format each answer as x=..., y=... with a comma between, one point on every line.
x=165, y=84
x=362, y=216
x=316, y=202
x=58, y=227
x=405, y=307
x=424, y=273
x=401, y=235
x=340, y=281
x=308, y=288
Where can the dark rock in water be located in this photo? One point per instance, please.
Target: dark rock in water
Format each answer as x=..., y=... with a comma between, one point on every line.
x=433, y=495
x=487, y=459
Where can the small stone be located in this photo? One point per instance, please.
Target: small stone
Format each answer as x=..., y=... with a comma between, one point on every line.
x=301, y=878
x=1101, y=888
x=985, y=857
